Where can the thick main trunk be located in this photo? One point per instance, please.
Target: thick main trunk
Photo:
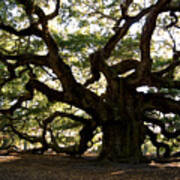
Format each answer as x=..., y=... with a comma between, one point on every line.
x=122, y=141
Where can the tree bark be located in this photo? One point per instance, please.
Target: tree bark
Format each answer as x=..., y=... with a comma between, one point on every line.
x=122, y=141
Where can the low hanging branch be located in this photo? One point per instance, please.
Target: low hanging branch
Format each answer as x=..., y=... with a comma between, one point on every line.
x=86, y=134
x=168, y=69
x=24, y=59
x=32, y=30
x=17, y=105
x=161, y=103
x=158, y=145
x=168, y=135
x=31, y=139
x=124, y=66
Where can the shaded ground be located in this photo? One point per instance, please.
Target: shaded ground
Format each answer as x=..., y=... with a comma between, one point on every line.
x=55, y=167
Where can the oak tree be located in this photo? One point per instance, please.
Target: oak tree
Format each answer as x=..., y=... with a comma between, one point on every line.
x=109, y=64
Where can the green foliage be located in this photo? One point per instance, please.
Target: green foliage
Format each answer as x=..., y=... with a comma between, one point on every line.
x=79, y=42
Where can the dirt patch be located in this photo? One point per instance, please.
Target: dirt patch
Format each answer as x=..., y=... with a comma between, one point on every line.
x=56, y=167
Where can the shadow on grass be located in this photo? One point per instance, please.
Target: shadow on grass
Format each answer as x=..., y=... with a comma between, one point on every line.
x=59, y=167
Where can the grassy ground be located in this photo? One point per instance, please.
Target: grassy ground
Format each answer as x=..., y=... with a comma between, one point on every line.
x=56, y=167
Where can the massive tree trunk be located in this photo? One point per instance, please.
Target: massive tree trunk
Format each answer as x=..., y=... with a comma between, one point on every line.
x=122, y=141
x=123, y=132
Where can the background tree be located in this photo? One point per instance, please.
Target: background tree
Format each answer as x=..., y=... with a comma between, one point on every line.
x=85, y=65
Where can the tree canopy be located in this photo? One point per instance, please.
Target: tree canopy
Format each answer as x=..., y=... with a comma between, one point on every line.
x=70, y=70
